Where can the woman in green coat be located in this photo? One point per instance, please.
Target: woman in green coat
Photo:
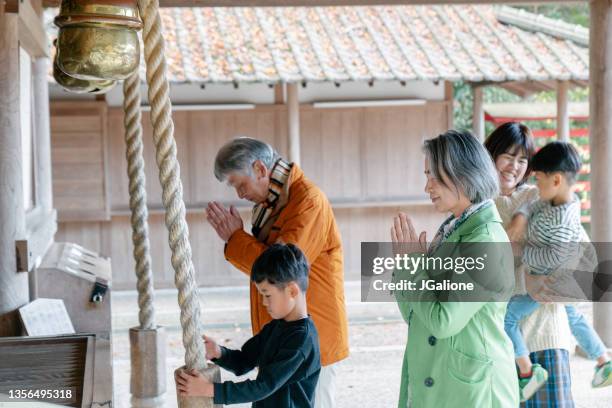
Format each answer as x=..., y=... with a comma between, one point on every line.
x=458, y=354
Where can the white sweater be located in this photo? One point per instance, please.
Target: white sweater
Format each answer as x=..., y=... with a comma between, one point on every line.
x=547, y=327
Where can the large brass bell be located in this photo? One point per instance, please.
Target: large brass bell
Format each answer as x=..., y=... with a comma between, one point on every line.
x=75, y=85
x=98, y=40
x=97, y=86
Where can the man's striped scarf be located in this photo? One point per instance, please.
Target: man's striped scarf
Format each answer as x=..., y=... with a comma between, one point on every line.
x=265, y=213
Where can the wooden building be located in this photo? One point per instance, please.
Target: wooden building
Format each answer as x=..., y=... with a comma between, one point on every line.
x=27, y=214
x=372, y=84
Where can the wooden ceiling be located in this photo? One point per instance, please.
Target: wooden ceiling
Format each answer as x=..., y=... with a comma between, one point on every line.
x=315, y=3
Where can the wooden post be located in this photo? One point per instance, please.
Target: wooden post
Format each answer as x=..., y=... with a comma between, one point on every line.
x=600, y=106
x=449, y=98
x=478, y=114
x=279, y=97
x=148, y=367
x=563, y=125
x=13, y=285
x=293, y=122
x=42, y=134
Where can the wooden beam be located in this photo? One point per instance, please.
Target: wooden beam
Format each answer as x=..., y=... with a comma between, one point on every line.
x=32, y=35
x=37, y=5
x=42, y=134
x=41, y=222
x=10, y=6
x=293, y=123
x=14, y=291
x=600, y=106
x=478, y=127
x=320, y=3
x=563, y=123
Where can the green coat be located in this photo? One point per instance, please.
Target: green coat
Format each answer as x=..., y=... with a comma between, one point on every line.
x=458, y=354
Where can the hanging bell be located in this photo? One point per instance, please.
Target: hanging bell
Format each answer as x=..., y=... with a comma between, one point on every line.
x=75, y=85
x=98, y=39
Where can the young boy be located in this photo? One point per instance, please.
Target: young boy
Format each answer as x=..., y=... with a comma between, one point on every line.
x=554, y=234
x=286, y=351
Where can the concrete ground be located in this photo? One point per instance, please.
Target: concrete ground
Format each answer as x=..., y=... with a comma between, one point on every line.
x=368, y=378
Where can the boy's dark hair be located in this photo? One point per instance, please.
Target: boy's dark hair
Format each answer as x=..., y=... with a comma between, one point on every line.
x=508, y=135
x=559, y=157
x=281, y=264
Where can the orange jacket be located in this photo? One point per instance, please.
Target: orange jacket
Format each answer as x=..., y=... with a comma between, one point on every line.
x=308, y=222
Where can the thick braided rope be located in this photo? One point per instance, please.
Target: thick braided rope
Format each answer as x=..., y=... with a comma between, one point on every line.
x=138, y=200
x=172, y=188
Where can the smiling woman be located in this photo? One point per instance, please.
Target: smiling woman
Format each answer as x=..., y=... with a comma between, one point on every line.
x=511, y=145
x=546, y=331
x=457, y=348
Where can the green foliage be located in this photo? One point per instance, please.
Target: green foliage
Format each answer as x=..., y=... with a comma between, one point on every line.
x=463, y=100
x=463, y=97
x=575, y=14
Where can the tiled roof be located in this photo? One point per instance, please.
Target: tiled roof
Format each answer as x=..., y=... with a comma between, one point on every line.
x=362, y=44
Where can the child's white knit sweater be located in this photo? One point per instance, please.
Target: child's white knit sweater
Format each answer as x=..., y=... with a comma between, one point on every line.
x=547, y=327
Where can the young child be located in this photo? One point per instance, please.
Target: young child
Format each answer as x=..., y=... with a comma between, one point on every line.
x=554, y=233
x=286, y=351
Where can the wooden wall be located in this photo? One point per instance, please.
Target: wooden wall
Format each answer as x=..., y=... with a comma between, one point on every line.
x=79, y=161
x=367, y=160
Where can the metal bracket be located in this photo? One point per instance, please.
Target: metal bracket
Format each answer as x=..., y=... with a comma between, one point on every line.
x=24, y=255
x=99, y=290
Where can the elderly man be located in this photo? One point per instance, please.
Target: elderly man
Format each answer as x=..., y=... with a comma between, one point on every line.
x=289, y=208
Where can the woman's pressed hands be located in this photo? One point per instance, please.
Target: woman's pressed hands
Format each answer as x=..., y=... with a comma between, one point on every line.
x=404, y=236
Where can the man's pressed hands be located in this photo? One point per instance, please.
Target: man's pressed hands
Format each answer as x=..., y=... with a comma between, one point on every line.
x=224, y=221
x=192, y=383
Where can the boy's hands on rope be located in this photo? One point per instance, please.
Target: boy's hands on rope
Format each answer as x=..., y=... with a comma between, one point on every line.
x=224, y=221
x=193, y=384
x=212, y=348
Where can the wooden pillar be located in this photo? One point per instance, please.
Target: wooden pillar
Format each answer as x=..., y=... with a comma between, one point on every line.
x=600, y=105
x=449, y=95
x=13, y=285
x=293, y=109
x=563, y=123
x=42, y=134
x=478, y=124
x=279, y=97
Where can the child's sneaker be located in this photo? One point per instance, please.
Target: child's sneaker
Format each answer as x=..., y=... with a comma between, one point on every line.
x=603, y=376
x=529, y=385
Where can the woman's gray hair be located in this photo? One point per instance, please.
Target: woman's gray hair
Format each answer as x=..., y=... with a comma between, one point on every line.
x=466, y=163
x=240, y=154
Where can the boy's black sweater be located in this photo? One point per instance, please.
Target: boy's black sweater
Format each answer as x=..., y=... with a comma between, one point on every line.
x=287, y=355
